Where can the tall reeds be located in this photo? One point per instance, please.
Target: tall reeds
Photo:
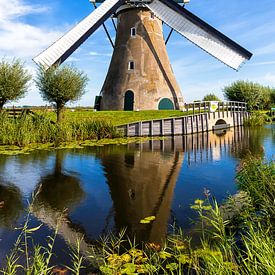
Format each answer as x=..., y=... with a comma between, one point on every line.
x=27, y=130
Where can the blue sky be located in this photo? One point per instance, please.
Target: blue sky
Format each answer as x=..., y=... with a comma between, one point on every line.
x=29, y=26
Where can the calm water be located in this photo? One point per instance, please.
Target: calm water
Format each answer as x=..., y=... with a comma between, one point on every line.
x=107, y=188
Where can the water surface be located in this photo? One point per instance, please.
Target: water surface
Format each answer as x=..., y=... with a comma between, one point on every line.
x=102, y=189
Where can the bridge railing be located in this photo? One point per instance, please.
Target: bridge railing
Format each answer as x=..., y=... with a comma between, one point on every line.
x=214, y=106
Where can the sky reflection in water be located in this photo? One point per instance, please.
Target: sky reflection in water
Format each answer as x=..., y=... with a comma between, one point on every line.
x=107, y=188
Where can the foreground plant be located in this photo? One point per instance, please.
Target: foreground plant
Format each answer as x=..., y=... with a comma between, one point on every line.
x=27, y=258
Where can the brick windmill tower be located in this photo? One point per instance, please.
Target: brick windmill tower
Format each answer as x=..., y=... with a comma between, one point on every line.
x=140, y=76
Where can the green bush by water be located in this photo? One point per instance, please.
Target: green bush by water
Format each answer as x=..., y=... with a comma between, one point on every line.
x=258, y=118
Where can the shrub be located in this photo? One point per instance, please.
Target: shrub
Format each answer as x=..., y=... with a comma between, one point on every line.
x=255, y=95
x=13, y=81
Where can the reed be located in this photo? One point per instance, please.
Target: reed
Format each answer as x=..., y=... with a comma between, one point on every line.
x=258, y=118
x=27, y=130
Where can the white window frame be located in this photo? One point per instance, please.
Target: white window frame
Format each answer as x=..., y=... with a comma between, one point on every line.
x=131, y=64
x=134, y=29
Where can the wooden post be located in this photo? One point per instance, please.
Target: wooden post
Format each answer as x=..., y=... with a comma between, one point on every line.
x=205, y=107
x=219, y=110
x=227, y=108
x=140, y=128
x=162, y=127
x=127, y=130
x=202, y=123
x=173, y=126
x=152, y=128
x=193, y=108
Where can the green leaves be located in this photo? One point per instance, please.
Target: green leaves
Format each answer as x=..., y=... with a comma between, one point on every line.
x=210, y=97
x=201, y=205
x=255, y=95
x=61, y=84
x=31, y=230
x=13, y=81
x=148, y=219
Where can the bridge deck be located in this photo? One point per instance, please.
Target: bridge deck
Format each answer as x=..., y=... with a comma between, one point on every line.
x=204, y=118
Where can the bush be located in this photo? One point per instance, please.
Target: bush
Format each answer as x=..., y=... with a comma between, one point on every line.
x=255, y=95
x=13, y=81
x=211, y=97
x=257, y=119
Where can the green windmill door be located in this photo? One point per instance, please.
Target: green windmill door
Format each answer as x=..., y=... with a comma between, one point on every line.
x=129, y=101
x=166, y=104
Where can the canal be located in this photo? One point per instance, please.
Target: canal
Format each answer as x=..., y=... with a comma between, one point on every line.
x=101, y=189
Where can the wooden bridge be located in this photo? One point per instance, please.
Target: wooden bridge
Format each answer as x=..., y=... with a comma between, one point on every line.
x=197, y=117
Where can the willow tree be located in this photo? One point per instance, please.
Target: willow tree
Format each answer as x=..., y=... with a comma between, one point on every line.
x=13, y=81
x=255, y=95
x=60, y=85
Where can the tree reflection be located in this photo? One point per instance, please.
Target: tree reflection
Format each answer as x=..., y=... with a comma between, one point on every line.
x=55, y=197
x=59, y=190
x=11, y=205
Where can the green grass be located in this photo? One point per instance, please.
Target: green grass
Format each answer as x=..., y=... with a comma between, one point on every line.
x=115, y=117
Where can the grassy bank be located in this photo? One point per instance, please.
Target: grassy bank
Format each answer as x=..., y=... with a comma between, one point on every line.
x=28, y=130
x=236, y=238
x=115, y=117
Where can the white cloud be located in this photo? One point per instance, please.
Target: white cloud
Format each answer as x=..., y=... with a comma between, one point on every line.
x=263, y=63
x=18, y=38
x=99, y=54
x=10, y=9
x=266, y=49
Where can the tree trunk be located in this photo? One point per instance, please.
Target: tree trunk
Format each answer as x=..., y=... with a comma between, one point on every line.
x=1, y=105
x=59, y=113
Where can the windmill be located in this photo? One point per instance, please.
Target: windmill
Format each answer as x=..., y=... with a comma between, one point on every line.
x=140, y=76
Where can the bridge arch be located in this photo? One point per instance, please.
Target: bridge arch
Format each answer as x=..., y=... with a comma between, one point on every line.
x=220, y=122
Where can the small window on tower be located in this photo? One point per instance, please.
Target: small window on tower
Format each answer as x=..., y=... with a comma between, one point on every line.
x=133, y=32
x=131, y=65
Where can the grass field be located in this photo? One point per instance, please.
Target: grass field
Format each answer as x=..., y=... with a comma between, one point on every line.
x=116, y=117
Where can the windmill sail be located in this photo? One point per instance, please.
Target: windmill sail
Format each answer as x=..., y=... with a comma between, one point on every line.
x=67, y=44
x=200, y=33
